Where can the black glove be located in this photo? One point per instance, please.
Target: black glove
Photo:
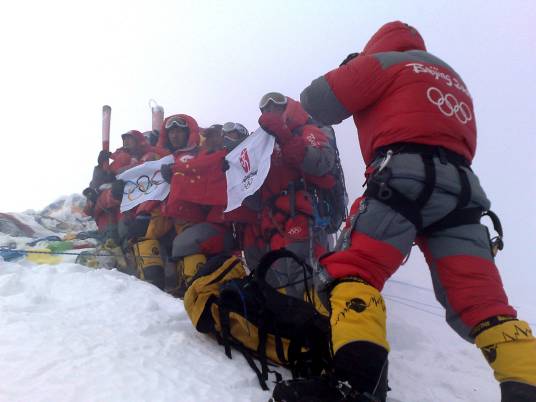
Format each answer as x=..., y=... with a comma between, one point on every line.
x=137, y=228
x=103, y=157
x=90, y=194
x=118, y=187
x=224, y=165
x=351, y=56
x=166, y=172
x=153, y=138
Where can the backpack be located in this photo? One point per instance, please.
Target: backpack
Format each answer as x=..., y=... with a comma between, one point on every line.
x=332, y=204
x=244, y=313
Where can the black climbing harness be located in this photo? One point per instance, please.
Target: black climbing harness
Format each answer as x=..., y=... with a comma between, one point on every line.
x=378, y=188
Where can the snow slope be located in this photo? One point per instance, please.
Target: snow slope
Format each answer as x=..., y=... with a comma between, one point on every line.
x=72, y=333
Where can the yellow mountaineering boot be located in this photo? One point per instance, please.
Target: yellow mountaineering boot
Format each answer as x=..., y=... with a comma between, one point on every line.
x=187, y=268
x=191, y=264
x=358, y=336
x=510, y=349
x=149, y=263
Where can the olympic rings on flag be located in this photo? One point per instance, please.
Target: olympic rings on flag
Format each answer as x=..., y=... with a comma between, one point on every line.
x=143, y=185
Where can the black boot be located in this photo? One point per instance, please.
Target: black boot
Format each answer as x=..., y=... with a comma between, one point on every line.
x=182, y=283
x=364, y=366
x=305, y=390
x=512, y=391
x=318, y=389
x=155, y=274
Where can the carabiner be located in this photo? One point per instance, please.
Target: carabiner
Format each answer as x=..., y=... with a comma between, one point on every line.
x=386, y=160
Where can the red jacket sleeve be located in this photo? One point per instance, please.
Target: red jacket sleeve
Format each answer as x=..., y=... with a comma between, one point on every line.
x=121, y=161
x=106, y=203
x=320, y=156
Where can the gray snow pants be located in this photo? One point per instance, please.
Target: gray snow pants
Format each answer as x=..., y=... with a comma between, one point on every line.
x=465, y=279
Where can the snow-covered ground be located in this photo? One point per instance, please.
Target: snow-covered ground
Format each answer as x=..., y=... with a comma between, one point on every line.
x=72, y=333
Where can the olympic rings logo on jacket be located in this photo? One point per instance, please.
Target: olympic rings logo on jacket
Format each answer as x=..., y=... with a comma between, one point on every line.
x=449, y=105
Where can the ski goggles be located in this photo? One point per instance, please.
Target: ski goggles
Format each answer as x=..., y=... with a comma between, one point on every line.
x=128, y=134
x=230, y=126
x=275, y=97
x=176, y=122
x=214, y=129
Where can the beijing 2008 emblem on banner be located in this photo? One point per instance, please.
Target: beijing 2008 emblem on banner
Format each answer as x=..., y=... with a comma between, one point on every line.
x=249, y=164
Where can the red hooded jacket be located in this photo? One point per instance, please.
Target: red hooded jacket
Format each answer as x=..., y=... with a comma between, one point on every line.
x=302, y=156
x=124, y=160
x=285, y=169
x=175, y=206
x=397, y=92
x=202, y=180
x=106, y=209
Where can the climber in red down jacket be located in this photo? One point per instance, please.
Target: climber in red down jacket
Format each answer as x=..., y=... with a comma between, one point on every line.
x=417, y=133
x=156, y=222
x=301, y=169
x=103, y=194
x=201, y=180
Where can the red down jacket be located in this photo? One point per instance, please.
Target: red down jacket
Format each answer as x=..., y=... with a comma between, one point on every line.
x=175, y=206
x=202, y=180
x=124, y=160
x=106, y=209
x=396, y=92
x=306, y=155
x=286, y=168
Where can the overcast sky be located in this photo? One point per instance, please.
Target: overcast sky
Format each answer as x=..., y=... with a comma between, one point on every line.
x=62, y=60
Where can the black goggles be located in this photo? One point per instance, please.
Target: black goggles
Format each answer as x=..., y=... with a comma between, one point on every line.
x=275, y=97
x=214, y=129
x=349, y=58
x=129, y=134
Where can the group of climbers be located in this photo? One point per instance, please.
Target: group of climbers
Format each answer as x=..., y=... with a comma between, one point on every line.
x=417, y=134
x=168, y=240
x=142, y=230
x=302, y=163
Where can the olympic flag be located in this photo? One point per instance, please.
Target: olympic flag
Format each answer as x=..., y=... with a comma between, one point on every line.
x=144, y=183
x=249, y=164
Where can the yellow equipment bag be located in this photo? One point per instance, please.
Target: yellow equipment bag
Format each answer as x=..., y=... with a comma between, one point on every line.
x=245, y=313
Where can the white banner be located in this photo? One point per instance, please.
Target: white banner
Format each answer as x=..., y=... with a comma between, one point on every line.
x=249, y=164
x=144, y=183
